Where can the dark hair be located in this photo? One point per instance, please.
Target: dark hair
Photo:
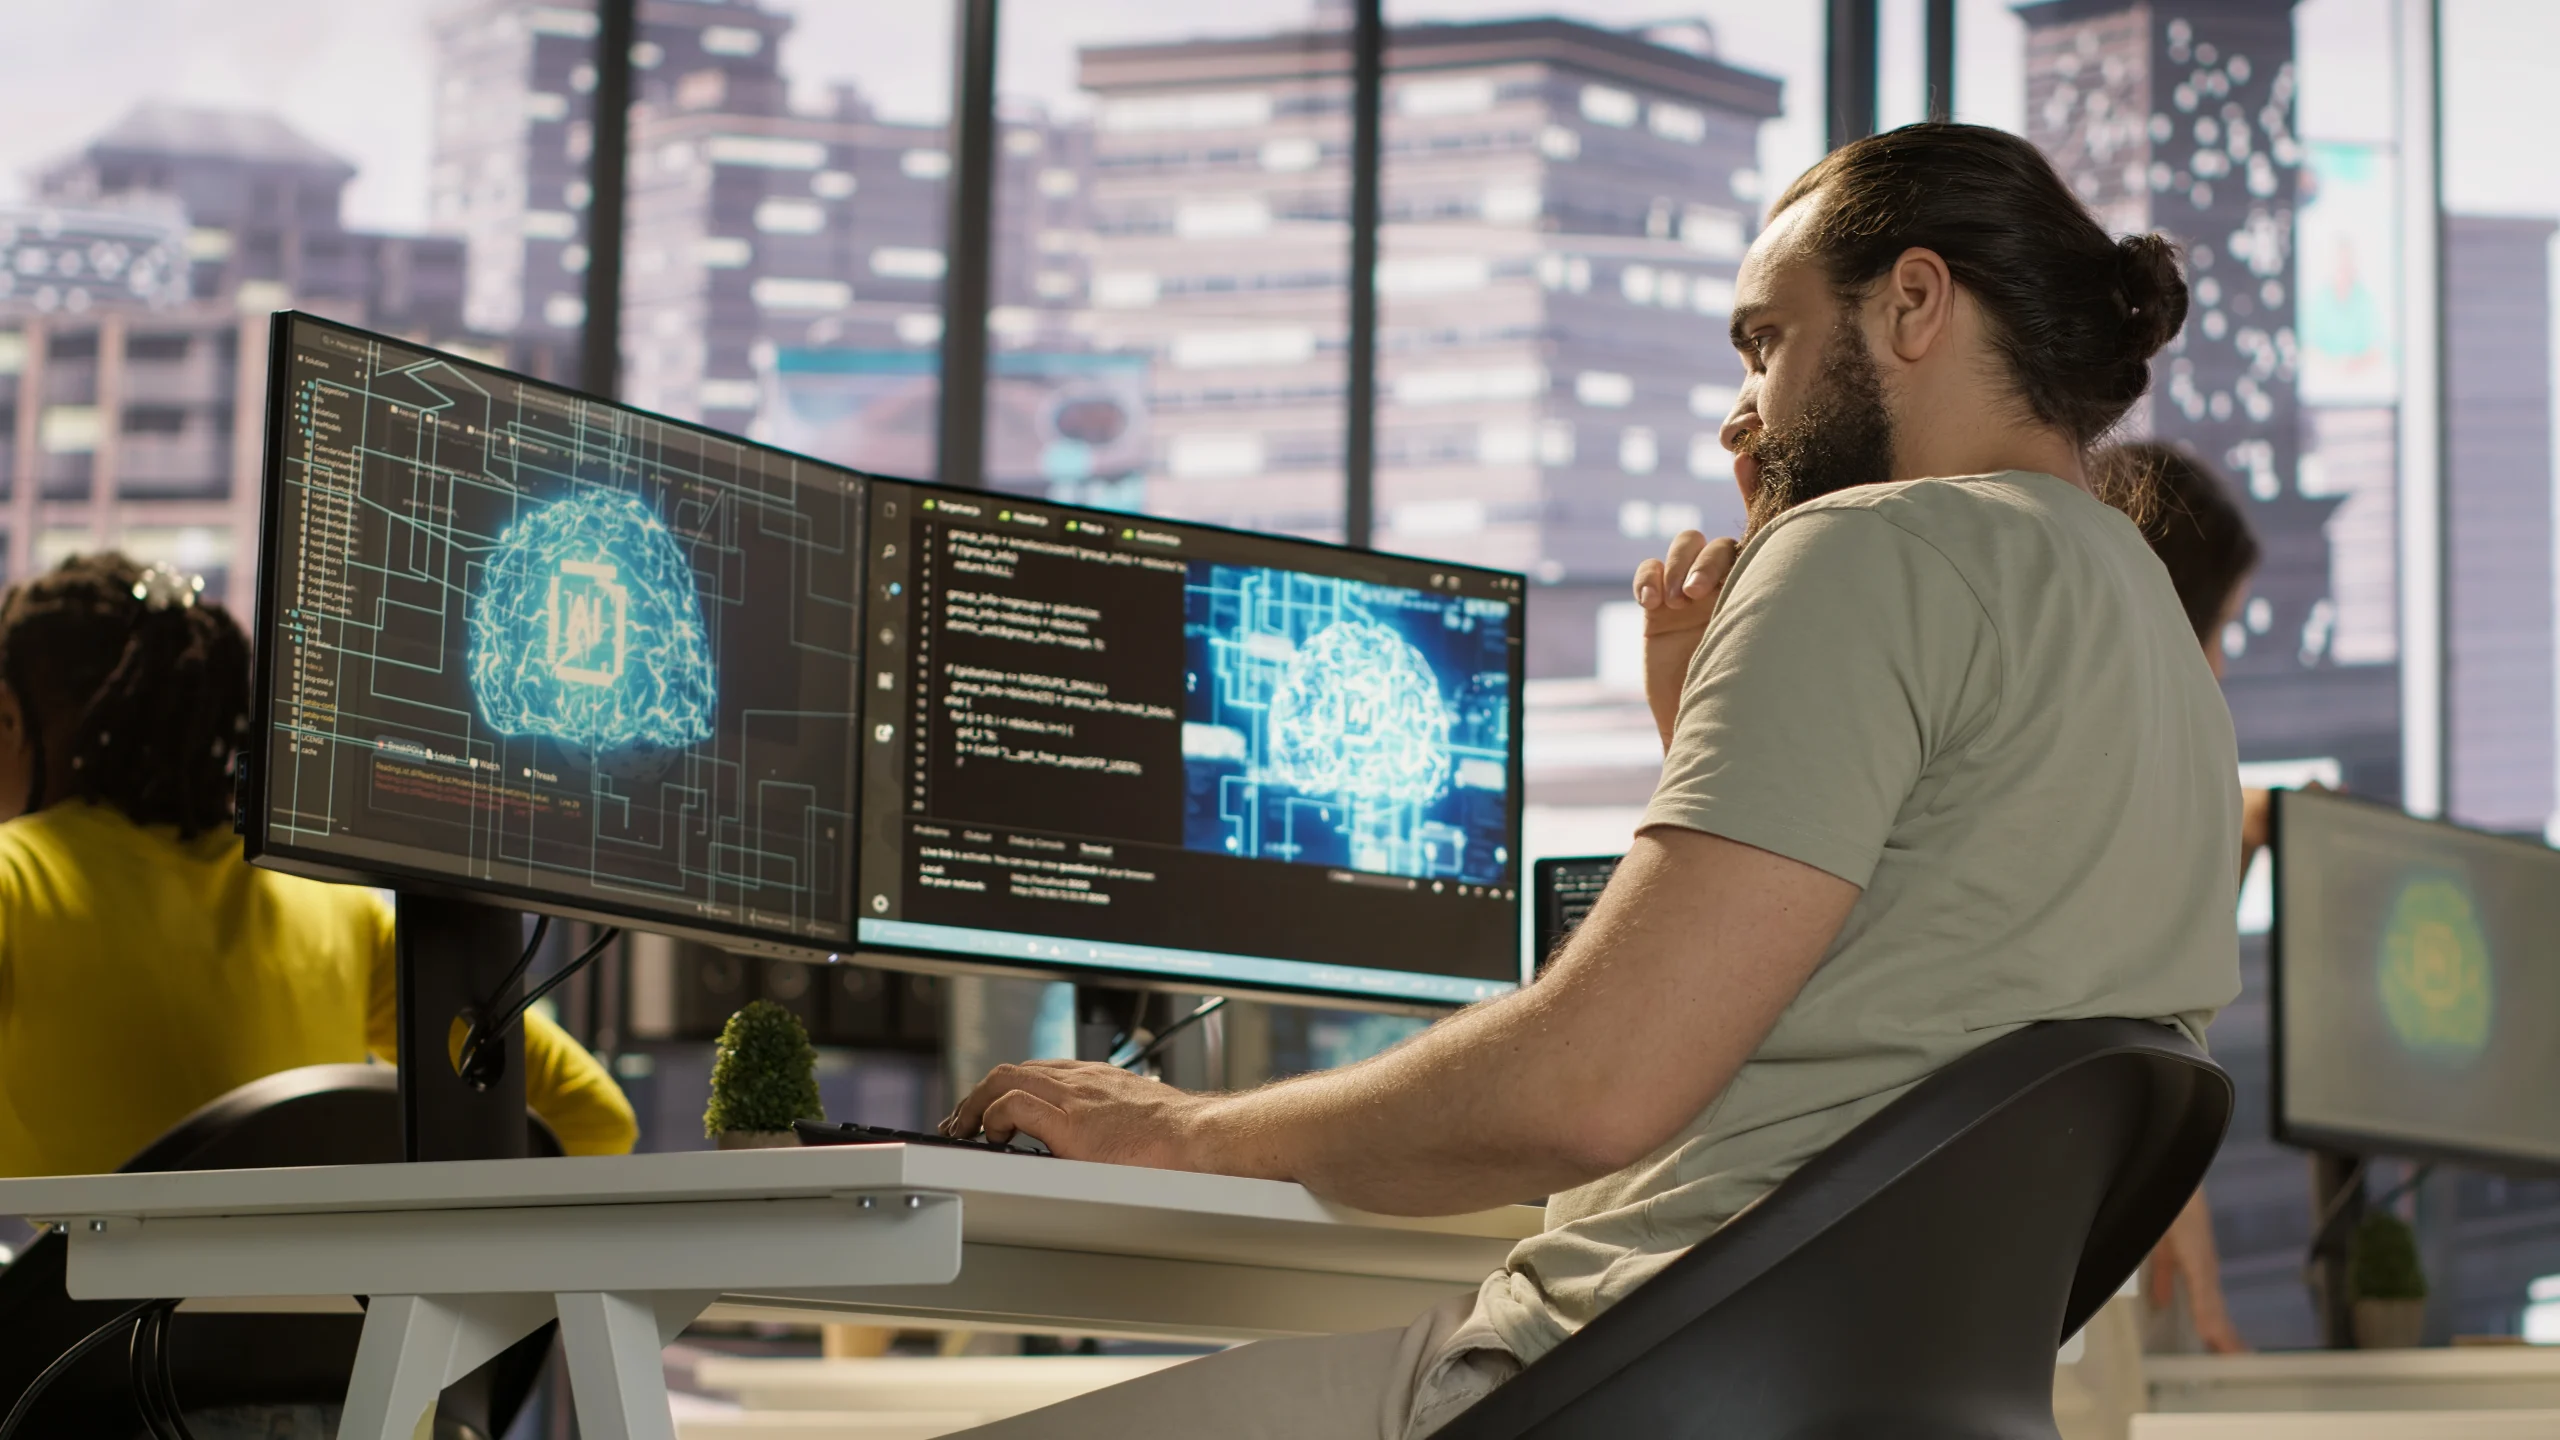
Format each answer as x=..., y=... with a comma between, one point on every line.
x=2187, y=513
x=2078, y=315
x=155, y=680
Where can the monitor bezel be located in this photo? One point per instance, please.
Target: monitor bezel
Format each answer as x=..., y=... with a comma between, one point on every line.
x=2346, y=1140
x=262, y=848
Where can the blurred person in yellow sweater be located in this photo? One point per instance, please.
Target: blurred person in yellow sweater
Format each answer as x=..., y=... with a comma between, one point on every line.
x=145, y=968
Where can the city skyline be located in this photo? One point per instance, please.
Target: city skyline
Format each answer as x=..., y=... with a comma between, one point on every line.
x=344, y=74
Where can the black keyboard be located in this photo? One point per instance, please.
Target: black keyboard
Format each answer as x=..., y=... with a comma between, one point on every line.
x=845, y=1132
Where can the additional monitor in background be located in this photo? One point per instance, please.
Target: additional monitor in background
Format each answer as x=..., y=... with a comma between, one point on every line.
x=526, y=645
x=1565, y=889
x=2416, y=976
x=1100, y=746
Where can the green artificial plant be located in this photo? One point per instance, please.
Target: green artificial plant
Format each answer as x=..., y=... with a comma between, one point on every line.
x=764, y=1075
x=2382, y=1260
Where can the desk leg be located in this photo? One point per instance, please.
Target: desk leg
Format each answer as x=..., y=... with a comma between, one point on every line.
x=613, y=1342
x=415, y=1345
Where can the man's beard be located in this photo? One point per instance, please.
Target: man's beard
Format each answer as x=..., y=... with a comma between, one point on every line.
x=1843, y=438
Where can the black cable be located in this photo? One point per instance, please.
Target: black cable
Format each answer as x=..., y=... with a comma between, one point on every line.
x=484, y=1032
x=63, y=1362
x=473, y=1037
x=1203, y=1011
x=559, y=977
x=2392, y=1196
x=168, y=1382
x=137, y=1358
x=155, y=1391
x=2336, y=1205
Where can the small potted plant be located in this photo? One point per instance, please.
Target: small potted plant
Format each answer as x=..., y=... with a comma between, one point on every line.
x=2384, y=1281
x=764, y=1075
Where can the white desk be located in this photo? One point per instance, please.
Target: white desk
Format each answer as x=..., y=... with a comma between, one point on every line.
x=462, y=1259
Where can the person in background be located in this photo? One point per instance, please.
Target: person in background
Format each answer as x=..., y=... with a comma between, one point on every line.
x=145, y=967
x=2186, y=512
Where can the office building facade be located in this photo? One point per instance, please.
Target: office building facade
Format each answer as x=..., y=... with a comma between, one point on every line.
x=755, y=232
x=1564, y=211
x=2180, y=120
x=515, y=134
x=133, y=331
x=2499, y=623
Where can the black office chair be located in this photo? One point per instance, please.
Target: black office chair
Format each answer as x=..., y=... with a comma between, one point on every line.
x=1914, y=1280
x=317, y=1115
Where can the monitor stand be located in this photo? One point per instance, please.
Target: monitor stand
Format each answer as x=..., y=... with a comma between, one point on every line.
x=1106, y=1015
x=2326, y=1270
x=451, y=952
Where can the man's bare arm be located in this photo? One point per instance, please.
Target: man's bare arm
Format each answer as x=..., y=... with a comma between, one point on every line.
x=1669, y=986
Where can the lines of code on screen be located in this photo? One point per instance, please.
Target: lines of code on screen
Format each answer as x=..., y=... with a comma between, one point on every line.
x=526, y=640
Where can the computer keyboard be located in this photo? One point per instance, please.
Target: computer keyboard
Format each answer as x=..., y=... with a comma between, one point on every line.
x=845, y=1132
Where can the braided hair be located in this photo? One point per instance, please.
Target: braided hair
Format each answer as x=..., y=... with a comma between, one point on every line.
x=143, y=681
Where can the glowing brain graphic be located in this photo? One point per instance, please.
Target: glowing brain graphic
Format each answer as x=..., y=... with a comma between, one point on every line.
x=587, y=630
x=1358, y=713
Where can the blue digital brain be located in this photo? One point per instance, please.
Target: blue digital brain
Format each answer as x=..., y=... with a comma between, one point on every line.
x=1358, y=713
x=587, y=629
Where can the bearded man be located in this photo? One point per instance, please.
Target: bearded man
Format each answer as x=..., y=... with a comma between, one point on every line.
x=1943, y=761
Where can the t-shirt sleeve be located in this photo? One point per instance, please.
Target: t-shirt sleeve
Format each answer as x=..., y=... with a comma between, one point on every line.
x=570, y=1090
x=1847, y=654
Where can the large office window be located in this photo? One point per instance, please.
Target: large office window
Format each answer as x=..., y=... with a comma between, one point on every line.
x=1567, y=191
x=789, y=187
x=168, y=177
x=1172, y=255
x=2491, y=1237
x=1567, y=197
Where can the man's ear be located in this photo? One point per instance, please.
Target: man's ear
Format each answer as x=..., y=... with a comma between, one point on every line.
x=1919, y=297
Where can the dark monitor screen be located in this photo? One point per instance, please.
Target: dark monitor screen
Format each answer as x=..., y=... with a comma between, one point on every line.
x=1566, y=887
x=2416, y=970
x=519, y=642
x=1187, y=755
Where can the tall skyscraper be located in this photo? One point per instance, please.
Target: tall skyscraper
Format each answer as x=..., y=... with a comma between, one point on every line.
x=2180, y=119
x=515, y=128
x=2498, y=511
x=752, y=230
x=1565, y=208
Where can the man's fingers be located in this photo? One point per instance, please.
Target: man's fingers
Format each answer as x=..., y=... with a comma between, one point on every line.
x=1649, y=583
x=1021, y=1112
x=970, y=1116
x=1714, y=562
x=1676, y=563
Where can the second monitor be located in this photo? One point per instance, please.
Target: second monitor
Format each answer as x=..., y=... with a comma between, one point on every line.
x=1095, y=743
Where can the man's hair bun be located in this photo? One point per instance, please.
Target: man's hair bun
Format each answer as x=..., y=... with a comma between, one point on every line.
x=2155, y=294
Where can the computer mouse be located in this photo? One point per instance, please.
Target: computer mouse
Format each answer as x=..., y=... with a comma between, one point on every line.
x=1026, y=1143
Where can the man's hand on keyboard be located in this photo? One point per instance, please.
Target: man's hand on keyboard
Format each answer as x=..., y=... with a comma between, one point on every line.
x=1084, y=1111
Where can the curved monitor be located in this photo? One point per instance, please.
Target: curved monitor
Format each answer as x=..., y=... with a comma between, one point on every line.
x=1198, y=757
x=517, y=643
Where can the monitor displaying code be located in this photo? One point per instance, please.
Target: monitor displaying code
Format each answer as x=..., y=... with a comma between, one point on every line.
x=1097, y=742
x=542, y=646
x=2416, y=974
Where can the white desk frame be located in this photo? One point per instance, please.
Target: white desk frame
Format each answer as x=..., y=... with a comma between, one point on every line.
x=462, y=1259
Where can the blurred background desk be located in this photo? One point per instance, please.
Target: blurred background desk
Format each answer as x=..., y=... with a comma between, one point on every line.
x=2488, y=1393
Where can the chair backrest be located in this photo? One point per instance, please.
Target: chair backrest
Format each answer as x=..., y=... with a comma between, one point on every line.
x=1915, y=1278
x=315, y=1115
